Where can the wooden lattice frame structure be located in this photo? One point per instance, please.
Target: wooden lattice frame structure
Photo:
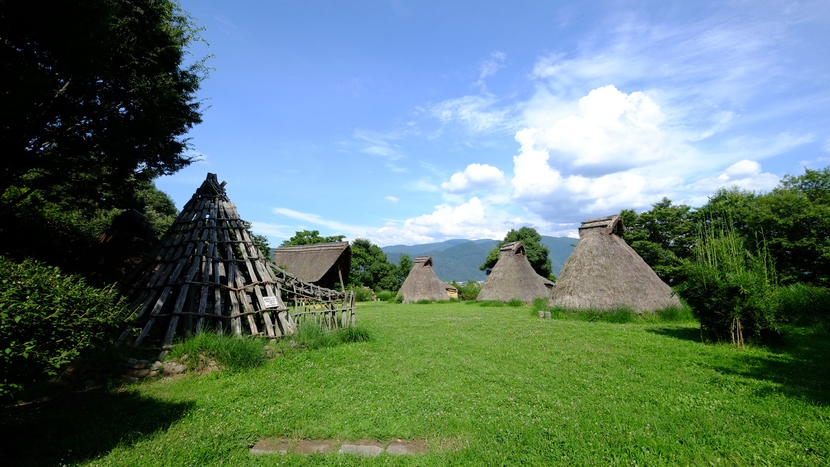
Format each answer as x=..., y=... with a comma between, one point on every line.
x=208, y=269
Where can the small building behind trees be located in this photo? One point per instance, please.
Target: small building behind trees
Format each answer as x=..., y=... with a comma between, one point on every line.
x=422, y=284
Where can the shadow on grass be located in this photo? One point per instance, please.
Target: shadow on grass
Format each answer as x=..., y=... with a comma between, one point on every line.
x=798, y=365
x=687, y=334
x=77, y=427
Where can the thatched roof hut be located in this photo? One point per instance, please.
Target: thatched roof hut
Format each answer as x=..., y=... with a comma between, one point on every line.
x=604, y=273
x=323, y=264
x=514, y=278
x=206, y=272
x=423, y=284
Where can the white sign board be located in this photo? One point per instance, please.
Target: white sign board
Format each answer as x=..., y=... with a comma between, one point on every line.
x=271, y=302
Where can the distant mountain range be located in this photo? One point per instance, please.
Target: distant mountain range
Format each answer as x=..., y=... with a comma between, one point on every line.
x=458, y=260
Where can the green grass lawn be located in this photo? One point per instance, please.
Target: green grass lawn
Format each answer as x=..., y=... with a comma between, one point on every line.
x=483, y=386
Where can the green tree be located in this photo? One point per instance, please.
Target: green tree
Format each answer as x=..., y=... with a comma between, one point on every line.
x=404, y=267
x=310, y=237
x=663, y=236
x=157, y=205
x=261, y=241
x=794, y=220
x=537, y=254
x=102, y=98
x=371, y=268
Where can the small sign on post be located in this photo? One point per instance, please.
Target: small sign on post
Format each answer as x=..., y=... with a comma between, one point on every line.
x=271, y=302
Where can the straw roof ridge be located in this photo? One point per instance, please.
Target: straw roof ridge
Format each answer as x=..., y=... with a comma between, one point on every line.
x=515, y=247
x=514, y=278
x=604, y=273
x=423, y=260
x=422, y=284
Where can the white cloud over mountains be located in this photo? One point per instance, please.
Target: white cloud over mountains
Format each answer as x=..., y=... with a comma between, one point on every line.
x=467, y=220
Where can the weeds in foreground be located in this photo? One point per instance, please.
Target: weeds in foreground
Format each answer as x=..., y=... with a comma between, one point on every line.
x=312, y=336
x=243, y=353
x=231, y=352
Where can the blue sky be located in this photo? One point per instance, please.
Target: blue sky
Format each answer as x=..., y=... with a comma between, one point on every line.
x=409, y=122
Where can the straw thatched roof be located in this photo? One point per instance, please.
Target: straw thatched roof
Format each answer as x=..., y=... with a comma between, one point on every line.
x=206, y=271
x=323, y=264
x=514, y=278
x=604, y=273
x=423, y=284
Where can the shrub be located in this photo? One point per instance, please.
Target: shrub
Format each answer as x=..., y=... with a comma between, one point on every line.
x=386, y=295
x=515, y=303
x=729, y=289
x=47, y=319
x=468, y=291
x=363, y=293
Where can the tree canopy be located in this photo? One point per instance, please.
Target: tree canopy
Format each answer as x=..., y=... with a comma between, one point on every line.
x=662, y=236
x=537, y=254
x=371, y=267
x=791, y=222
x=310, y=237
x=100, y=94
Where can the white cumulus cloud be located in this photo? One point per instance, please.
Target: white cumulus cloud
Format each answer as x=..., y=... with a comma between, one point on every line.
x=745, y=174
x=611, y=130
x=474, y=177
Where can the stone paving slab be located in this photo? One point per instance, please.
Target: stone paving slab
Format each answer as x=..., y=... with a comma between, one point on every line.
x=398, y=448
x=365, y=448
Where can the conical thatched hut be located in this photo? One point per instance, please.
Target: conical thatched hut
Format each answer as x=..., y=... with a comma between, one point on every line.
x=514, y=278
x=323, y=264
x=604, y=273
x=207, y=271
x=423, y=284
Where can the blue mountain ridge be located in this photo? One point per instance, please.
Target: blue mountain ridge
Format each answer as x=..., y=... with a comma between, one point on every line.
x=459, y=259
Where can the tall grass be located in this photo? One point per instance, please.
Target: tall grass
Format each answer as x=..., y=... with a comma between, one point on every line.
x=729, y=288
x=230, y=352
x=386, y=295
x=312, y=336
x=618, y=315
x=804, y=305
